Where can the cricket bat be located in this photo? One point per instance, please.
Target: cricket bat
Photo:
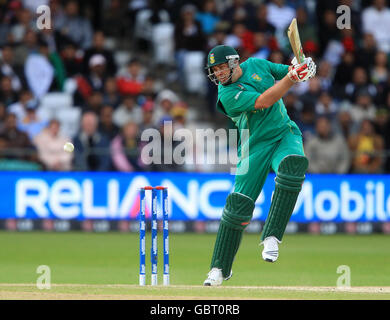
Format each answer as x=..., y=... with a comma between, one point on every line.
x=295, y=41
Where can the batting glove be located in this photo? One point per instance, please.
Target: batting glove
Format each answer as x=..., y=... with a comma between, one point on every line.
x=294, y=61
x=302, y=72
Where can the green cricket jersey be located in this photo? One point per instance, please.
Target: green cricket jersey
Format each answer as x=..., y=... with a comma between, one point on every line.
x=237, y=101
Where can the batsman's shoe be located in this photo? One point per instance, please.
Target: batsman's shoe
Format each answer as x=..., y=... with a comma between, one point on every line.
x=271, y=250
x=215, y=277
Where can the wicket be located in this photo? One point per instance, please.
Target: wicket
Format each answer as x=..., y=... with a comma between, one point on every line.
x=154, y=233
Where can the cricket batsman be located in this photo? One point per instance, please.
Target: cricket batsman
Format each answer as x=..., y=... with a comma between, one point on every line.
x=249, y=95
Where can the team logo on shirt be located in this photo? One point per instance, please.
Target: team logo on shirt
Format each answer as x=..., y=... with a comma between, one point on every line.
x=241, y=86
x=256, y=77
x=212, y=58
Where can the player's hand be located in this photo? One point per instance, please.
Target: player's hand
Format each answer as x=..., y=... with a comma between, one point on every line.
x=303, y=71
x=311, y=66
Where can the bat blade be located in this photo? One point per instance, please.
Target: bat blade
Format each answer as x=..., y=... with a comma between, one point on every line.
x=295, y=41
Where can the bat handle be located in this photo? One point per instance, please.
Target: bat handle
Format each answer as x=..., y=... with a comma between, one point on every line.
x=301, y=57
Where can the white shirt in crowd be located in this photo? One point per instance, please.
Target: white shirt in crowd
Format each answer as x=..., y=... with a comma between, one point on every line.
x=122, y=115
x=378, y=23
x=39, y=74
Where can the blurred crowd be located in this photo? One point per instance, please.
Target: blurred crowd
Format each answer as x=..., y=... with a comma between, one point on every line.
x=107, y=70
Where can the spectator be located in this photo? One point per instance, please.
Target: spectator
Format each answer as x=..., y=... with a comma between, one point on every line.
x=313, y=92
x=147, y=117
x=327, y=152
x=348, y=40
x=164, y=103
x=359, y=83
x=376, y=20
x=71, y=59
x=53, y=39
x=188, y=31
x=179, y=115
x=19, y=107
x=7, y=94
x=379, y=72
x=219, y=36
x=234, y=39
x=366, y=54
x=326, y=106
x=241, y=11
x=7, y=17
x=208, y=17
x=344, y=123
x=383, y=126
x=32, y=5
x=352, y=81
x=356, y=19
x=97, y=75
x=126, y=149
x=17, y=141
x=39, y=73
x=57, y=64
x=111, y=95
x=19, y=29
x=106, y=125
x=307, y=121
x=50, y=145
x=133, y=8
x=383, y=93
x=146, y=20
x=261, y=49
x=325, y=75
x=91, y=146
x=260, y=23
x=24, y=49
x=127, y=111
x=114, y=13
x=293, y=105
x=241, y=38
x=363, y=109
x=132, y=79
x=3, y=150
x=99, y=49
x=8, y=68
x=307, y=32
x=327, y=29
x=280, y=15
x=3, y=114
x=367, y=147
x=276, y=56
x=57, y=14
x=188, y=37
x=344, y=71
x=74, y=26
x=150, y=89
x=31, y=123
x=94, y=102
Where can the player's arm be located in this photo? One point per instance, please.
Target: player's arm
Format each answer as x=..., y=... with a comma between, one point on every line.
x=273, y=94
x=296, y=73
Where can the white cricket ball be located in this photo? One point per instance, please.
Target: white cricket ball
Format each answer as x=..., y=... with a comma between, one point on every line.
x=68, y=147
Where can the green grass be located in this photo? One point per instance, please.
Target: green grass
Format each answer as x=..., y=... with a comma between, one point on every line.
x=112, y=258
